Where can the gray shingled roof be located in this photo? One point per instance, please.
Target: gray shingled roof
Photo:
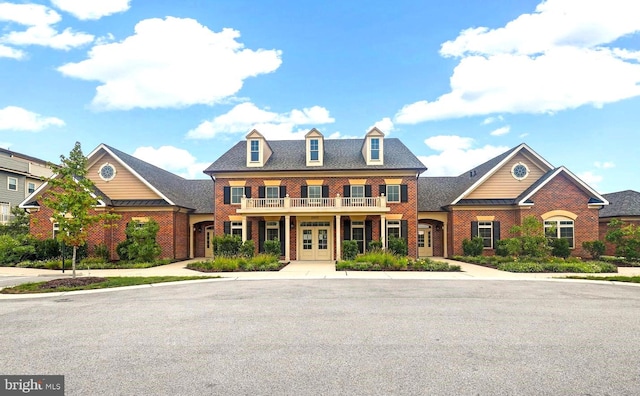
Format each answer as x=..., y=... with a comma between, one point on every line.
x=621, y=203
x=339, y=154
x=192, y=194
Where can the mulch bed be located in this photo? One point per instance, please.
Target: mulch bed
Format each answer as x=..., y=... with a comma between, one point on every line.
x=71, y=282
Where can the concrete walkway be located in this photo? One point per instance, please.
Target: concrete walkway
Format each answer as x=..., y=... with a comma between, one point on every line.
x=307, y=269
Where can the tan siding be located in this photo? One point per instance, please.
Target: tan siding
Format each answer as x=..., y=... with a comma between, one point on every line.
x=124, y=186
x=503, y=185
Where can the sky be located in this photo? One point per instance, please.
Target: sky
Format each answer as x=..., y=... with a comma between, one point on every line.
x=177, y=83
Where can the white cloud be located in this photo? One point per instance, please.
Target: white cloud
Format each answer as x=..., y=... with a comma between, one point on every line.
x=172, y=62
x=91, y=9
x=604, y=165
x=173, y=159
x=542, y=62
x=39, y=20
x=590, y=178
x=523, y=135
x=457, y=155
x=19, y=119
x=491, y=120
x=247, y=116
x=8, y=52
x=501, y=131
x=385, y=125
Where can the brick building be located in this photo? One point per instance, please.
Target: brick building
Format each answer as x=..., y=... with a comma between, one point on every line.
x=624, y=206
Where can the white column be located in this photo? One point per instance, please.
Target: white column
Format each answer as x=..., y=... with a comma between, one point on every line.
x=287, y=238
x=244, y=228
x=383, y=231
x=338, y=239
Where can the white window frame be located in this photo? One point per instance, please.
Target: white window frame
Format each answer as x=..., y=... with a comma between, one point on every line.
x=396, y=194
x=55, y=229
x=487, y=237
x=270, y=226
x=314, y=150
x=5, y=212
x=29, y=189
x=421, y=238
x=236, y=228
x=254, y=149
x=556, y=222
x=314, y=195
x=359, y=225
x=393, y=225
x=375, y=151
x=14, y=184
x=236, y=199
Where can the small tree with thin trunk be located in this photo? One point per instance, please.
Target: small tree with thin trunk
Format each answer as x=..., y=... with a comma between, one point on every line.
x=72, y=198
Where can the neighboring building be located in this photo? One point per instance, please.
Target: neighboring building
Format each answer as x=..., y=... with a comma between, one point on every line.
x=20, y=175
x=623, y=206
x=138, y=191
x=489, y=199
x=314, y=193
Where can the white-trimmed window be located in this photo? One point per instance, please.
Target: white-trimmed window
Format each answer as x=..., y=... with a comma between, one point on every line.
x=314, y=151
x=560, y=227
x=393, y=229
x=421, y=238
x=255, y=150
x=314, y=193
x=272, y=231
x=31, y=187
x=393, y=193
x=485, y=231
x=357, y=234
x=375, y=149
x=357, y=193
x=56, y=230
x=272, y=194
x=236, y=194
x=236, y=228
x=12, y=184
x=5, y=212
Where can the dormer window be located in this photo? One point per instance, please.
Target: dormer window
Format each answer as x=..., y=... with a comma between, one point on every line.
x=314, y=154
x=255, y=151
x=375, y=149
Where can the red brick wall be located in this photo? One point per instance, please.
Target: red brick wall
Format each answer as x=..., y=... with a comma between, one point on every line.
x=407, y=209
x=560, y=193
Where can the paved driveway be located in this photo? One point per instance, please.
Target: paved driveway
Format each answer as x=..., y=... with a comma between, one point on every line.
x=333, y=337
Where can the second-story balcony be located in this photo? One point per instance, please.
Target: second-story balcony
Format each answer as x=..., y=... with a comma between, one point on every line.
x=314, y=205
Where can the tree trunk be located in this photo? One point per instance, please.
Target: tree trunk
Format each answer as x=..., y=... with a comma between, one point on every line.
x=73, y=261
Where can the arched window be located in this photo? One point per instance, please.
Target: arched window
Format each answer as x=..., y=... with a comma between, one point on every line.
x=560, y=227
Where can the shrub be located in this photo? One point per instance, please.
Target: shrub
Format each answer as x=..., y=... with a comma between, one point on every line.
x=432, y=265
x=227, y=245
x=349, y=250
x=90, y=261
x=520, y=267
x=473, y=247
x=102, y=251
x=626, y=237
x=247, y=249
x=375, y=245
x=140, y=245
x=398, y=246
x=47, y=248
x=14, y=250
x=272, y=247
x=502, y=248
x=560, y=248
x=595, y=248
x=529, y=239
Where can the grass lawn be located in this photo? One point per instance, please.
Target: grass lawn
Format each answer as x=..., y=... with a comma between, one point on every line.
x=620, y=278
x=88, y=283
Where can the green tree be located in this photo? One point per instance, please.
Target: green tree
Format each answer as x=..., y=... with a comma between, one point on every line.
x=140, y=245
x=71, y=197
x=18, y=225
x=529, y=239
x=626, y=237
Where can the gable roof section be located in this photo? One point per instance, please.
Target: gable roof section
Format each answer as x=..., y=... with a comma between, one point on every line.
x=621, y=204
x=525, y=198
x=339, y=154
x=481, y=173
x=31, y=203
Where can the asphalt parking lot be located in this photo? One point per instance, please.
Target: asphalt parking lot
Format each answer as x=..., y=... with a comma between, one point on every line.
x=332, y=336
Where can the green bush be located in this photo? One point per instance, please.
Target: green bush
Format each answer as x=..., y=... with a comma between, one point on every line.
x=349, y=250
x=90, y=262
x=515, y=266
x=626, y=237
x=247, y=249
x=473, y=247
x=502, y=248
x=432, y=265
x=375, y=245
x=560, y=248
x=47, y=248
x=227, y=245
x=398, y=246
x=261, y=262
x=102, y=251
x=595, y=248
x=14, y=250
x=272, y=247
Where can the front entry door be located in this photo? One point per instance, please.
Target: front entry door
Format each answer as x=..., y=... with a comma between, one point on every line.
x=425, y=239
x=315, y=243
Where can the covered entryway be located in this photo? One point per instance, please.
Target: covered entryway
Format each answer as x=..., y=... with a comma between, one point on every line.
x=314, y=240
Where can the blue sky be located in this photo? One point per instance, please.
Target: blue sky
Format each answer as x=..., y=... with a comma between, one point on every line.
x=178, y=83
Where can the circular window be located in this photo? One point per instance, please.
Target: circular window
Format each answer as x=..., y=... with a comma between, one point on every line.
x=107, y=172
x=520, y=171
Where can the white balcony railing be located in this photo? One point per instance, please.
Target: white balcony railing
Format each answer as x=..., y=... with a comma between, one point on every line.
x=274, y=204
